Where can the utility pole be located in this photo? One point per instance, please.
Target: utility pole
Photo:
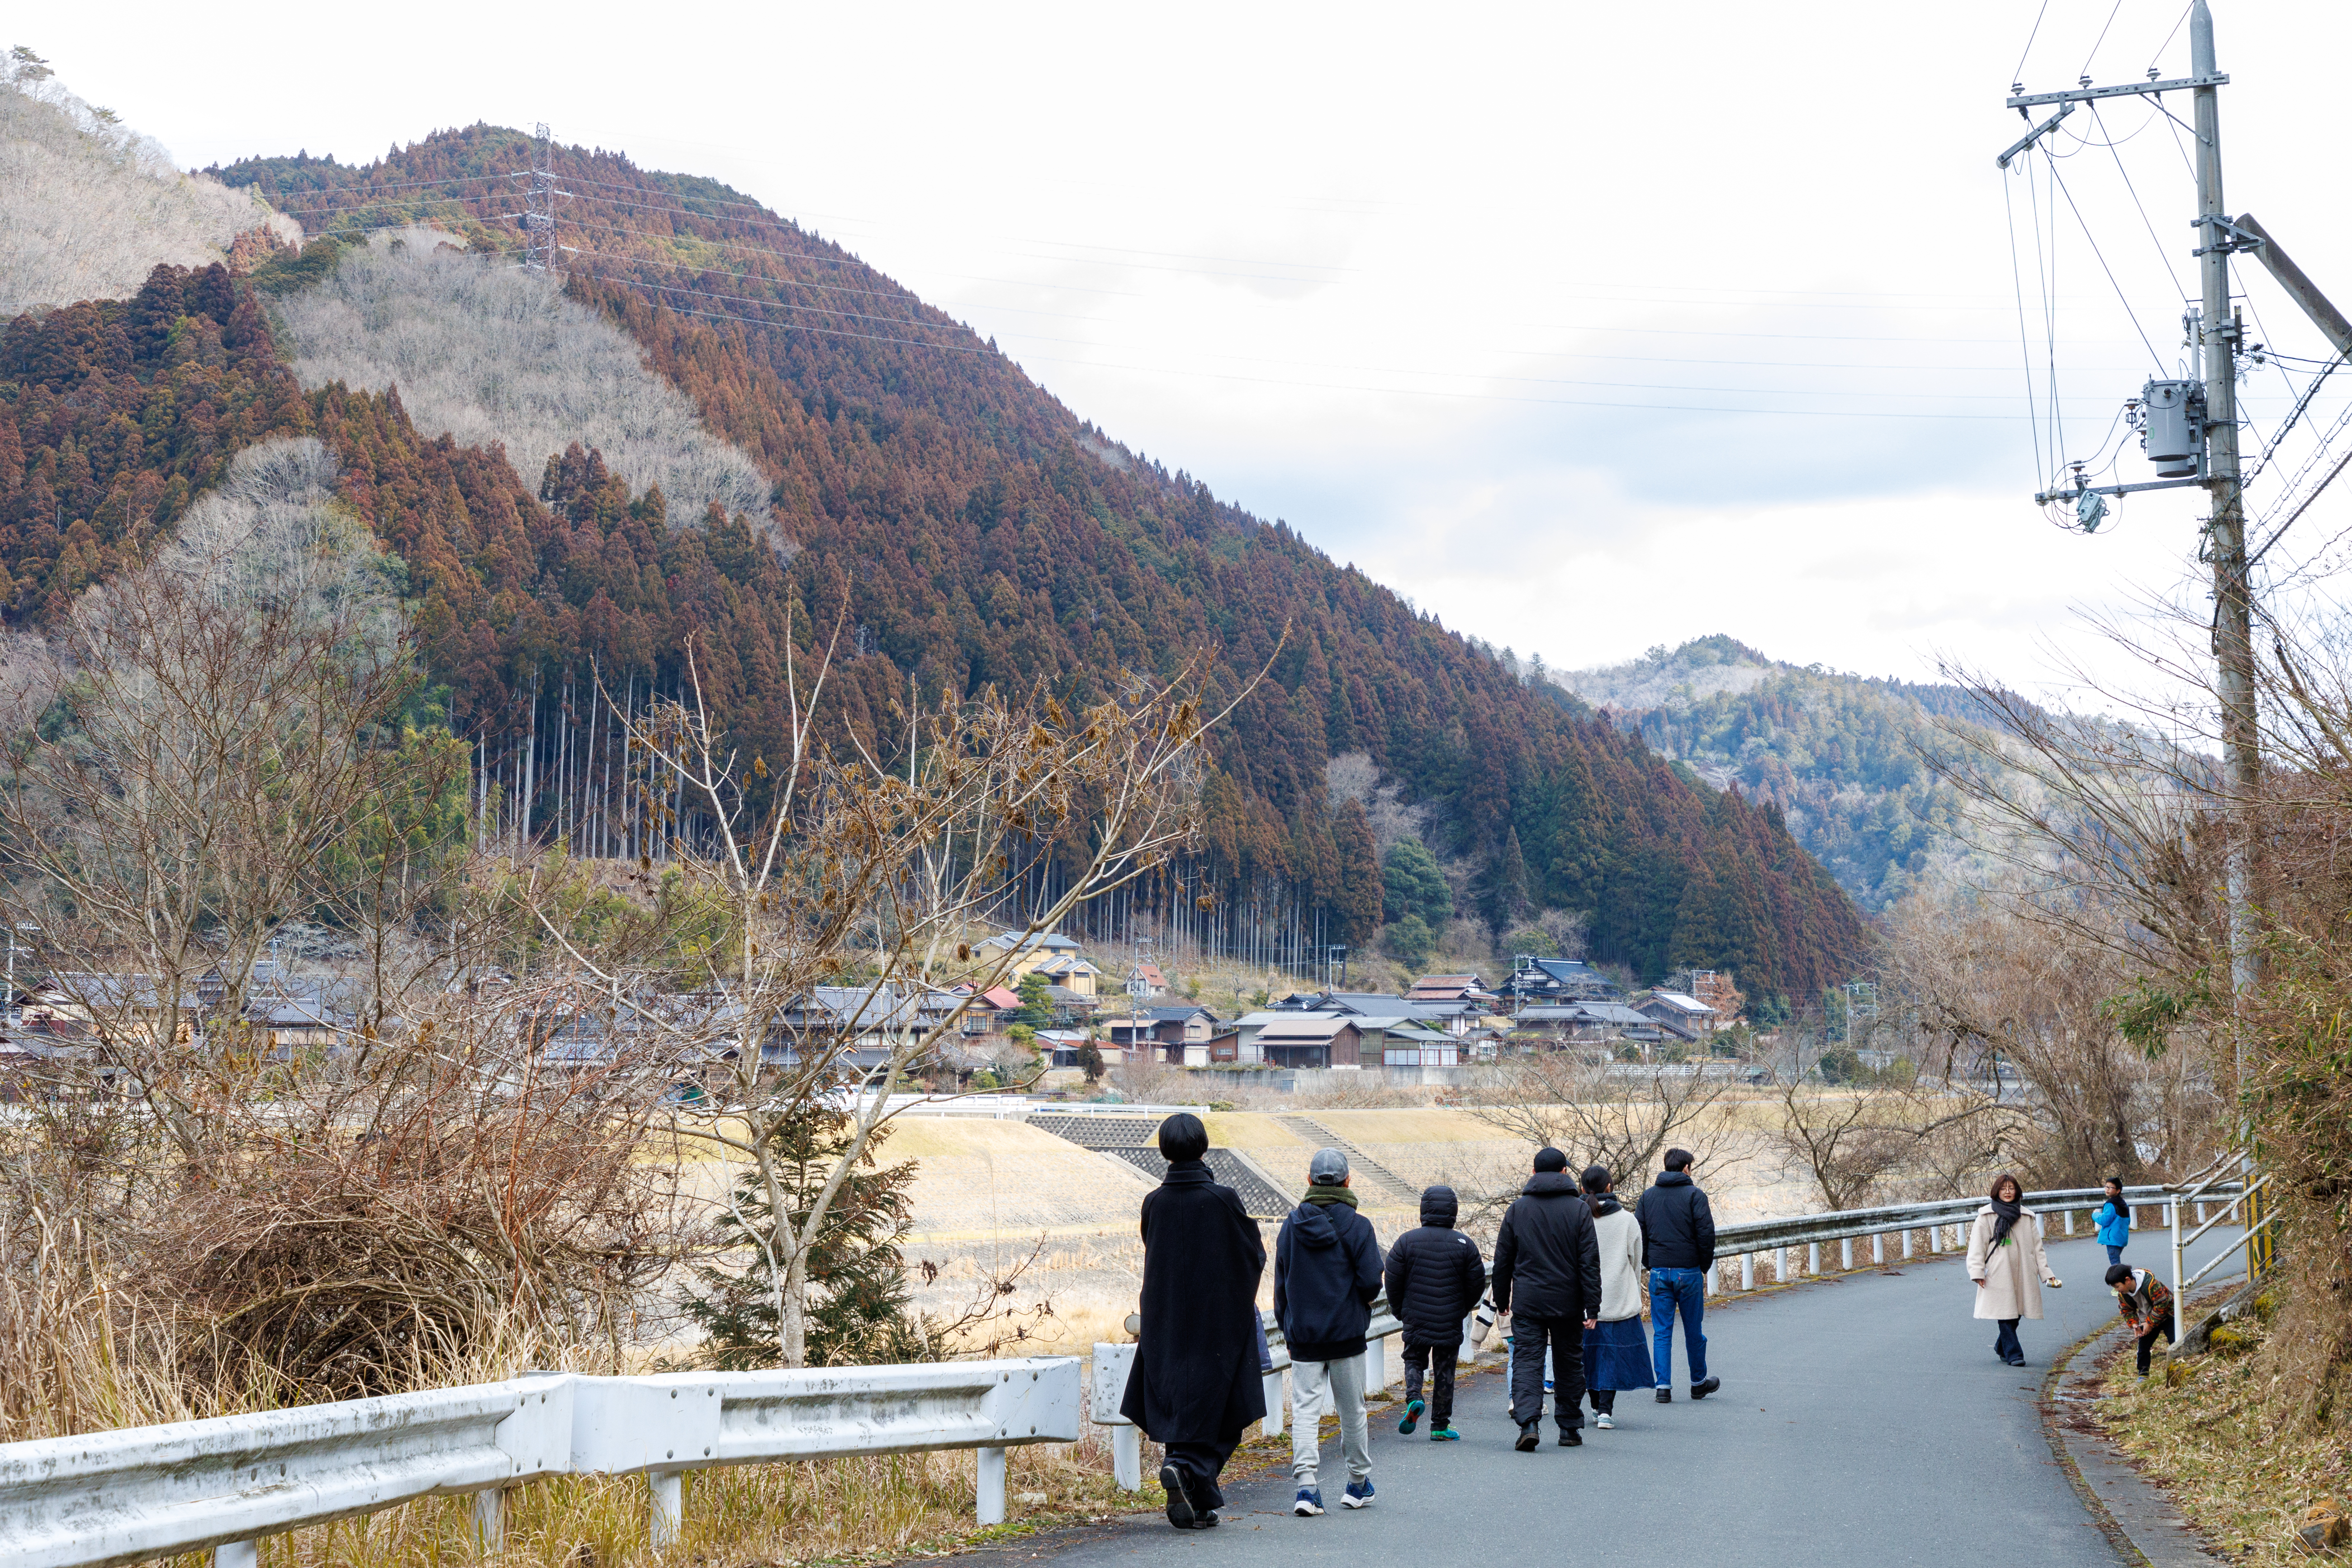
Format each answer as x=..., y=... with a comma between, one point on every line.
x=2201, y=443
x=2225, y=530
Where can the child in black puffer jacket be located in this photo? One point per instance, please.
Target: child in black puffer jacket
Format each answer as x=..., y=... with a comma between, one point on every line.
x=1435, y=1276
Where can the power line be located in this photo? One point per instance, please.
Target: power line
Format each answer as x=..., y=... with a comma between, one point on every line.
x=2121, y=297
x=2100, y=39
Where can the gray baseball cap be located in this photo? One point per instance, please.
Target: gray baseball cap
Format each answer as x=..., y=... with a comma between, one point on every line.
x=1327, y=1169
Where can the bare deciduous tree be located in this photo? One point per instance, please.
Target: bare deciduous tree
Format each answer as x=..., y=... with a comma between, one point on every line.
x=1619, y=1115
x=93, y=206
x=494, y=354
x=864, y=869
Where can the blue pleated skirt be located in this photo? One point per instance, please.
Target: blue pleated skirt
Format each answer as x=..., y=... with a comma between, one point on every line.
x=1617, y=1355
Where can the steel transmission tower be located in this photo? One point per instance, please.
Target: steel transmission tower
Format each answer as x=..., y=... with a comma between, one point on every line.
x=540, y=253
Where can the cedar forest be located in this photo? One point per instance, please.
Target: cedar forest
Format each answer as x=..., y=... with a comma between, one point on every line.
x=961, y=524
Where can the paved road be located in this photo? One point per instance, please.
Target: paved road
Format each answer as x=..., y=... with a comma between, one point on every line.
x=1863, y=1420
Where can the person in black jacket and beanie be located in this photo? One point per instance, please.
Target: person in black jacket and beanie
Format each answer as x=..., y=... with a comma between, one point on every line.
x=1195, y=1386
x=1677, y=1248
x=1548, y=1276
x=1435, y=1276
x=1327, y=1274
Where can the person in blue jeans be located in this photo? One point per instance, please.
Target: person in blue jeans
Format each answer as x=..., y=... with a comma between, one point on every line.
x=1677, y=1248
x=2114, y=1220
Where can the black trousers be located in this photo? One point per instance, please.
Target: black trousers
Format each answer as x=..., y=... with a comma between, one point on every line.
x=2148, y=1341
x=1201, y=1464
x=1565, y=1336
x=1604, y=1400
x=1438, y=1361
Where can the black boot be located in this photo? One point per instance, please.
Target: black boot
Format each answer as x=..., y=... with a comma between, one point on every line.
x=1179, y=1506
x=1701, y=1390
x=1572, y=1437
x=1529, y=1438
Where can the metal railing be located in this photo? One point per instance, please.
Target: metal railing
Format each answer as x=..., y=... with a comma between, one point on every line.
x=1748, y=1239
x=149, y=1491
x=1113, y=1362
x=2208, y=1184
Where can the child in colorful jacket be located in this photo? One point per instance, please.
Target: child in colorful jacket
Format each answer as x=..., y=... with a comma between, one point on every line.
x=2146, y=1304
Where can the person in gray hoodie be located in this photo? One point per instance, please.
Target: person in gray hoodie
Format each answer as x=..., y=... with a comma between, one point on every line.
x=1327, y=1274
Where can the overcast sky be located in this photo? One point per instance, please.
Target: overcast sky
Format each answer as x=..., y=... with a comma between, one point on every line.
x=1587, y=328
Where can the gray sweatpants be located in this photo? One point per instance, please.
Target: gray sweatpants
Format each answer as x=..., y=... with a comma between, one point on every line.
x=1316, y=1386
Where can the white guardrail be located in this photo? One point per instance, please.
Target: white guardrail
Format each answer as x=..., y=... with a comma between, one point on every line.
x=1748, y=1240
x=151, y=1491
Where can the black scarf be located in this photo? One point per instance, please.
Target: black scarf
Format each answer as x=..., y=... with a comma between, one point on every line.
x=2005, y=1215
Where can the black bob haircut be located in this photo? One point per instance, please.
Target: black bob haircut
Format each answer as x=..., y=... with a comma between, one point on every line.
x=1182, y=1137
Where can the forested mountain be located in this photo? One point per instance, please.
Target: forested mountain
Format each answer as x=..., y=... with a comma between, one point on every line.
x=967, y=527
x=1843, y=756
x=89, y=205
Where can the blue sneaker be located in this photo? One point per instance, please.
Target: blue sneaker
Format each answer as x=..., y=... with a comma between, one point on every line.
x=1443, y=1435
x=1309, y=1503
x=1357, y=1495
x=1412, y=1409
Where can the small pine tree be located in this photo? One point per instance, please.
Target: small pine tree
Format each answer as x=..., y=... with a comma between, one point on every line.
x=1036, y=1007
x=860, y=1309
x=1091, y=1060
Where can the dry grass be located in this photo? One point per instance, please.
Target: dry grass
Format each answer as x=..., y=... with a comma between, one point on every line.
x=864, y=1510
x=2208, y=1430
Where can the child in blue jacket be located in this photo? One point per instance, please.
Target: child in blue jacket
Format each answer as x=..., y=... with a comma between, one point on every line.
x=2114, y=1220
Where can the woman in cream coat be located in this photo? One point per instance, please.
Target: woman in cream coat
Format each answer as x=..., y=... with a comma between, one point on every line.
x=1617, y=1352
x=2008, y=1265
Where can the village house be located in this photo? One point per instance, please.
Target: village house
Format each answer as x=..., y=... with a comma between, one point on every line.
x=1028, y=951
x=1449, y=988
x=1454, y=1018
x=74, y=1007
x=1312, y=1040
x=1069, y=972
x=1557, y=980
x=1180, y=1026
x=1686, y=1017
x=1565, y=1024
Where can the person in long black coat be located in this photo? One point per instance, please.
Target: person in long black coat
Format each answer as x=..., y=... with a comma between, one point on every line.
x=1196, y=1383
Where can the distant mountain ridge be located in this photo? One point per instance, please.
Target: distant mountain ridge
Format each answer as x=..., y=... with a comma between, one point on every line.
x=1841, y=755
x=966, y=527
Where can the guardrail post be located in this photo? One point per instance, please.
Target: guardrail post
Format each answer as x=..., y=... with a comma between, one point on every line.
x=491, y=1518
x=1712, y=1288
x=1845, y=1254
x=1878, y=1247
x=1935, y=1239
x=236, y=1555
x=991, y=1505
x=667, y=1491
x=1906, y=1245
x=2067, y=1219
x=1813, y=1258
x=1127, y=1458
x=1274, y=1402
x=1780, y=1266
x=1748, y=1272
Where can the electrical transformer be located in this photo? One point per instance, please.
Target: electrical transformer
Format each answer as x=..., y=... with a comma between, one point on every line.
x=2172, y=428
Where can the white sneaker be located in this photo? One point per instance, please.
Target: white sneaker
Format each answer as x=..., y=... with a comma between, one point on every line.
x=1604, y=1423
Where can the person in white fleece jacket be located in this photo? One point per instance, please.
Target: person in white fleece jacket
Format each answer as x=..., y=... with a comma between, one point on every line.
x=1617, y=1350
